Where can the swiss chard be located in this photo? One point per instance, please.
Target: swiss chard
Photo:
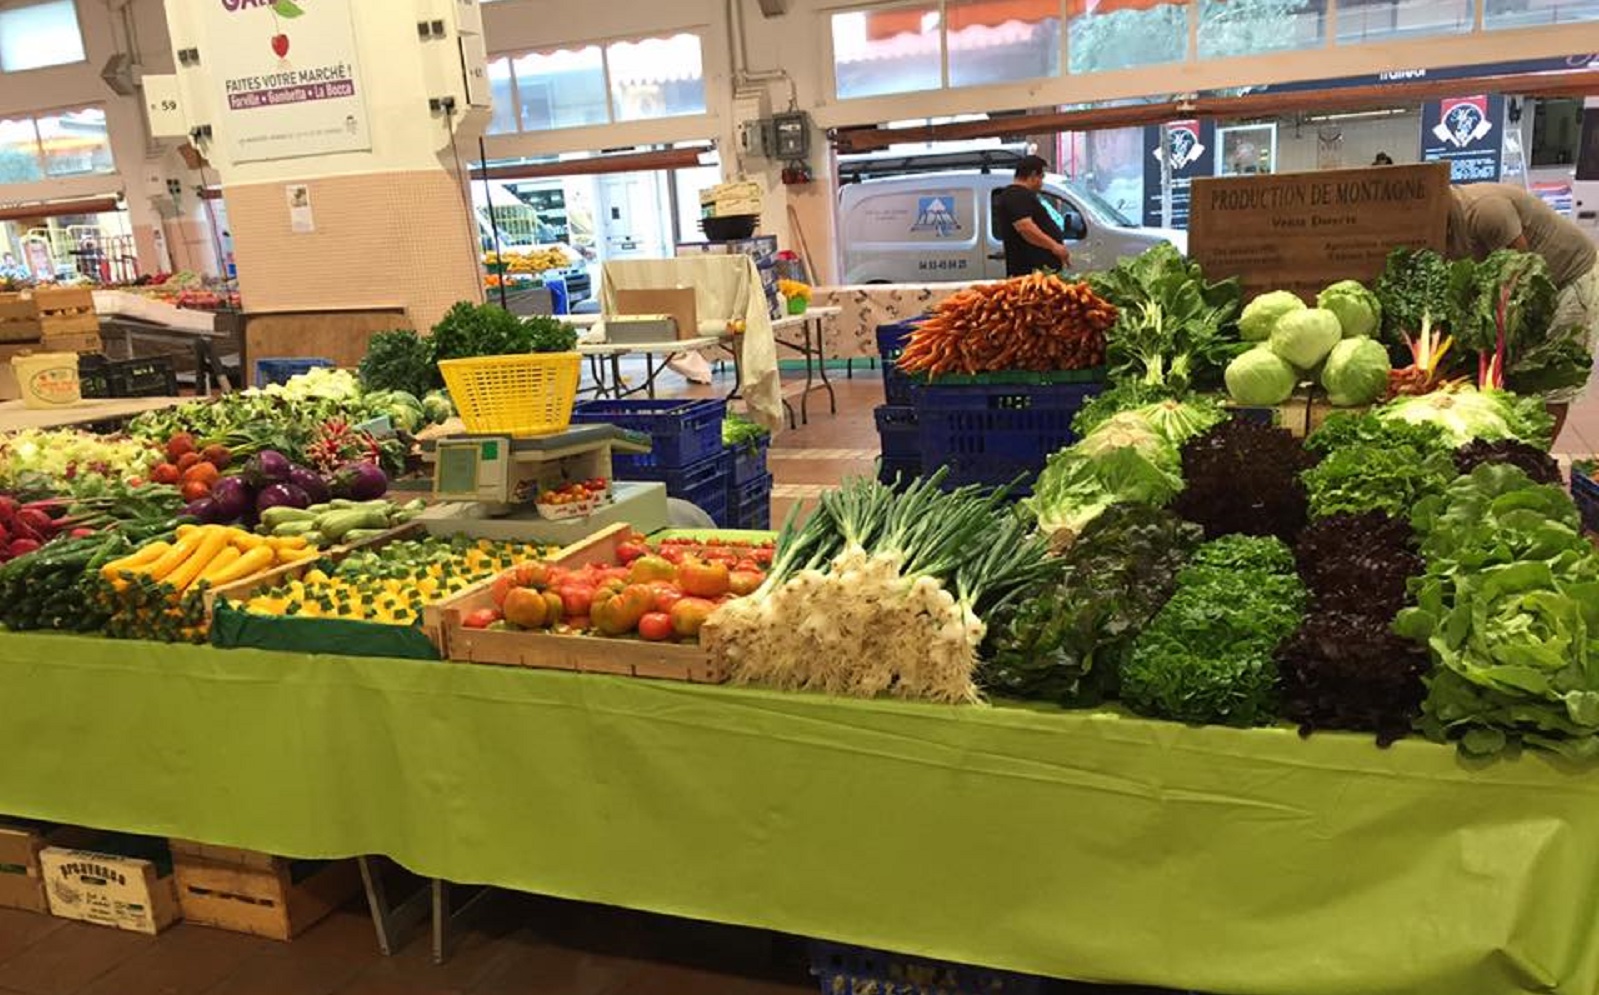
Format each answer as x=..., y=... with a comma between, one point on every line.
x=1174, y=329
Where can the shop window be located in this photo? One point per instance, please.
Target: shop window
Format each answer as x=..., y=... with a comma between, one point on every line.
x=19, y=151
x=502, y=93
x=564, y=88
x=880, y=52
x=1126, y=34
x=1001, y=41
x=1230, y=28
x=1538, y=13
x=1387, y=20
x=36, y=35
x=75, y=143
x=656, y=77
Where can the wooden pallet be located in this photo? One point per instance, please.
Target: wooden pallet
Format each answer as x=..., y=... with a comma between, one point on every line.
x=549, y=651
x=243, y=891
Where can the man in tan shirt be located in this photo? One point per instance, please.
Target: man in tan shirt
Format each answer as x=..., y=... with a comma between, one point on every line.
x=1487, y=217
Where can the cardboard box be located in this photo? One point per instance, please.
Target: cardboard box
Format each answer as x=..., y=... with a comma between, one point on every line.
x=734, y=208
x=730, y=192
x=244, y=891
x=133, y=893
x=678, y=303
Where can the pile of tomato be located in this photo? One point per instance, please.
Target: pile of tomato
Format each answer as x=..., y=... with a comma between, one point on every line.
x=577, y=492
x=658, y=592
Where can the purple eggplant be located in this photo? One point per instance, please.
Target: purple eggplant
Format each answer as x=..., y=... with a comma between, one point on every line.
x=233, y=498
x=309, y=481
x=281, y=496
x=267, y=467
x=205, y=511
x=360, y=482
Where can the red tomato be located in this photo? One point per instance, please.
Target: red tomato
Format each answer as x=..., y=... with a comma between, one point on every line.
x=618, y=573
x=672, y=555
x=627, y=552
x=667, y=596
x=656, y=626
x=763, y=556
x=746, y=565
x=481, y=619
x=503, y=585
x=743, y=582
x=576, y=599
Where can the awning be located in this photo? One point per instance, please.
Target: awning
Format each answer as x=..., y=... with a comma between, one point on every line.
x=58, y=208
x=885, y=24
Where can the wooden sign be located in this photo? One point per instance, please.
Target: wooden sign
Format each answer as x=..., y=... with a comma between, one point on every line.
x=1303, y=231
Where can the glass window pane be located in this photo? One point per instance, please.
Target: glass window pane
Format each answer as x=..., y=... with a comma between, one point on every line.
x=564, y=88
x=1123, y=34
x=75, y=143
x=878, y=52
x=1536, y=13
x=1229, y=28
x=503, y=97
x=1385, y=20
x=40, y=34
x=1001, y=41
x=19, y=151
x=657, y=77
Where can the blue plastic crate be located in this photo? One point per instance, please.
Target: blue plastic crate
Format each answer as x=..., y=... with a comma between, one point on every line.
x=749, y=461
x=842, y=968
x=1586, y=493
x=993, y=434
x=683, y=432
x=703, y=483
x=897, y=387
x=898, y=432
x=893, y=470
x=749, y=505
x=282, y=369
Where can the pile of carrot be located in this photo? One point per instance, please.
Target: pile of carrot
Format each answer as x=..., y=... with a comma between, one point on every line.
x=1038, y=323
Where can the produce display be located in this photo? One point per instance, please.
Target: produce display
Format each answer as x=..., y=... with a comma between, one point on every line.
x=1039, y=322
x=156, y=592
x=391, y=584
x=657, y=593
x=1413, y=565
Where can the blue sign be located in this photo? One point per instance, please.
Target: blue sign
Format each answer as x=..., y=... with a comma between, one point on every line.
x=937, y=215
x=1190, y=146
x=1466, y=132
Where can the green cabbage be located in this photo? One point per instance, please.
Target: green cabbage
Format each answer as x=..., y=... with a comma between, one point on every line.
x=1304, y=338
x=1357, y=308
x=1260, y=317
x=1468, y=414
x=1356, y=373
x=437, y=407
x=1260, y=378
x=1114, y=464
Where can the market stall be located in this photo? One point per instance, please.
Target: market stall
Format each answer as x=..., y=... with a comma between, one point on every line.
x=1165, y=688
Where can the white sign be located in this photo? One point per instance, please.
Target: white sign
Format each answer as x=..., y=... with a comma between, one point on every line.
x=165, y=107
x=301, y=221
x=290, y=85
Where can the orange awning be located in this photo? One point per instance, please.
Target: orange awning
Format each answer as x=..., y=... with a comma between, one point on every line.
x=882, y=25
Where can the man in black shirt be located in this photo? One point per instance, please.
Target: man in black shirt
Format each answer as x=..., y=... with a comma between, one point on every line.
x=1032, y=238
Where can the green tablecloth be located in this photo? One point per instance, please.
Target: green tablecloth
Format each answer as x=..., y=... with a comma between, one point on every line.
x=1078, y=845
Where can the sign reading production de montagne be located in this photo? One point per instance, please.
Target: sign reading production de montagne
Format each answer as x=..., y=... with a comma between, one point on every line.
x=1303, y=231
x=1191, y=147
x=1468, y=133
x=291, y=86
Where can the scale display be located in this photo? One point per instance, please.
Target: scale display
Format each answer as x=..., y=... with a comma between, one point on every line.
x=461, y=467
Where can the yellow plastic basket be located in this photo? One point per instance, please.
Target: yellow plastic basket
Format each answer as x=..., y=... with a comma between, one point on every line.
x=518, y=395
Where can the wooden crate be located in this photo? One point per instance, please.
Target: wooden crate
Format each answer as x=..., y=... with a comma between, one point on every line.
x=21, y=874
x=549, y=651
x=243, y=891
x=19, y=319
x=66, y=311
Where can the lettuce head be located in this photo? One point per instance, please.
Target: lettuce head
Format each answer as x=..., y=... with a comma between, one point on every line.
x=1261, y=315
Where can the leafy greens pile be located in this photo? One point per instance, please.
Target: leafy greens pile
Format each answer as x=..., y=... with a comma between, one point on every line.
x=1371, y=465
x=1467, y=414
x=1127, y=457
x=1208, y=655
x=1068, y=644
x=1243, y=478
x=1504, y=309
x=1345, y=668
x=1534, y=462
x=1414, y=289
x=400, y=360
x=469, y=330
x=1509, y=609
x=1173, y=328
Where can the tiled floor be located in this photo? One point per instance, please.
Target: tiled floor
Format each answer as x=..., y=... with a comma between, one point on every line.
x=519, y=944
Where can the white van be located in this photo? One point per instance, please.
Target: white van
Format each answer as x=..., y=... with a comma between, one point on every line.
x=939, y=227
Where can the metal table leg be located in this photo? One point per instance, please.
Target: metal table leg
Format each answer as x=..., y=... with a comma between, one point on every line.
x=821, y=357
x=445, y=919
x=392, y=922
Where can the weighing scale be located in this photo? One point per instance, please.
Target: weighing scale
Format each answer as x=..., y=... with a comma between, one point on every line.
x=499, y=477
